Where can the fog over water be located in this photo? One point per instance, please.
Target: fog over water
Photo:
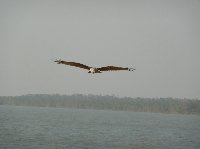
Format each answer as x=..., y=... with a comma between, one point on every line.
x=161, y=39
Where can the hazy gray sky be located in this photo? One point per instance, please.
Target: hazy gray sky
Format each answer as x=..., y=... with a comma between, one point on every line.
x=160, y=38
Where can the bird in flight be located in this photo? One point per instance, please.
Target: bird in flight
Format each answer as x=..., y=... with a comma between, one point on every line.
x=93, y=69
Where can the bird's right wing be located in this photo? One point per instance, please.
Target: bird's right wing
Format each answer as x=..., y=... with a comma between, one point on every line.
x=114, y=68
x=75, y=64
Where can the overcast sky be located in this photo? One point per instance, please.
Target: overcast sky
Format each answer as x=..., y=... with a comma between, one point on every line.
x=160, y=38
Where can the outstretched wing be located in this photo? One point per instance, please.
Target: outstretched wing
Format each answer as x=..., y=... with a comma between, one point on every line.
x=73, y=64
x=114, y=68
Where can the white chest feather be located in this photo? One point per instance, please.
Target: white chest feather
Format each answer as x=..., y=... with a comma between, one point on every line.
x=92, y=70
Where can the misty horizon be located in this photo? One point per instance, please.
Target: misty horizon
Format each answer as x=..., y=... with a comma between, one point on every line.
x=107, y=102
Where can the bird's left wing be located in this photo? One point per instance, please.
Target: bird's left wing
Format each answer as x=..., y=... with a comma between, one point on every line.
x=114, y=68
x=75, y=64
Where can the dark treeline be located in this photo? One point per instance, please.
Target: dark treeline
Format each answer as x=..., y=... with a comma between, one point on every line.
x=162, y=105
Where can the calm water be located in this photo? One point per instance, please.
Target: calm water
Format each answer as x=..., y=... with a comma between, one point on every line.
x=36, y=127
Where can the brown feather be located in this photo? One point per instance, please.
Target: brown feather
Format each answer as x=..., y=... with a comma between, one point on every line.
x=73, y=64
x=112, y=68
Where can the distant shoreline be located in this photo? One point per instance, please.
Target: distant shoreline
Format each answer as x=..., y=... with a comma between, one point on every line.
x=107, y=102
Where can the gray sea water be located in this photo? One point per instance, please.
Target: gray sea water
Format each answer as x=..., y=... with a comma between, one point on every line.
x=42, y=127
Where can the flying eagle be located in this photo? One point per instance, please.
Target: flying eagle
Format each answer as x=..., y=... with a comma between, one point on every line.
x=93, y=69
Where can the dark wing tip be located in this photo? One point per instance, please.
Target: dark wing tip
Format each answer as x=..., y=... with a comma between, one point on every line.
x=131, y=69
x=58, y=61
